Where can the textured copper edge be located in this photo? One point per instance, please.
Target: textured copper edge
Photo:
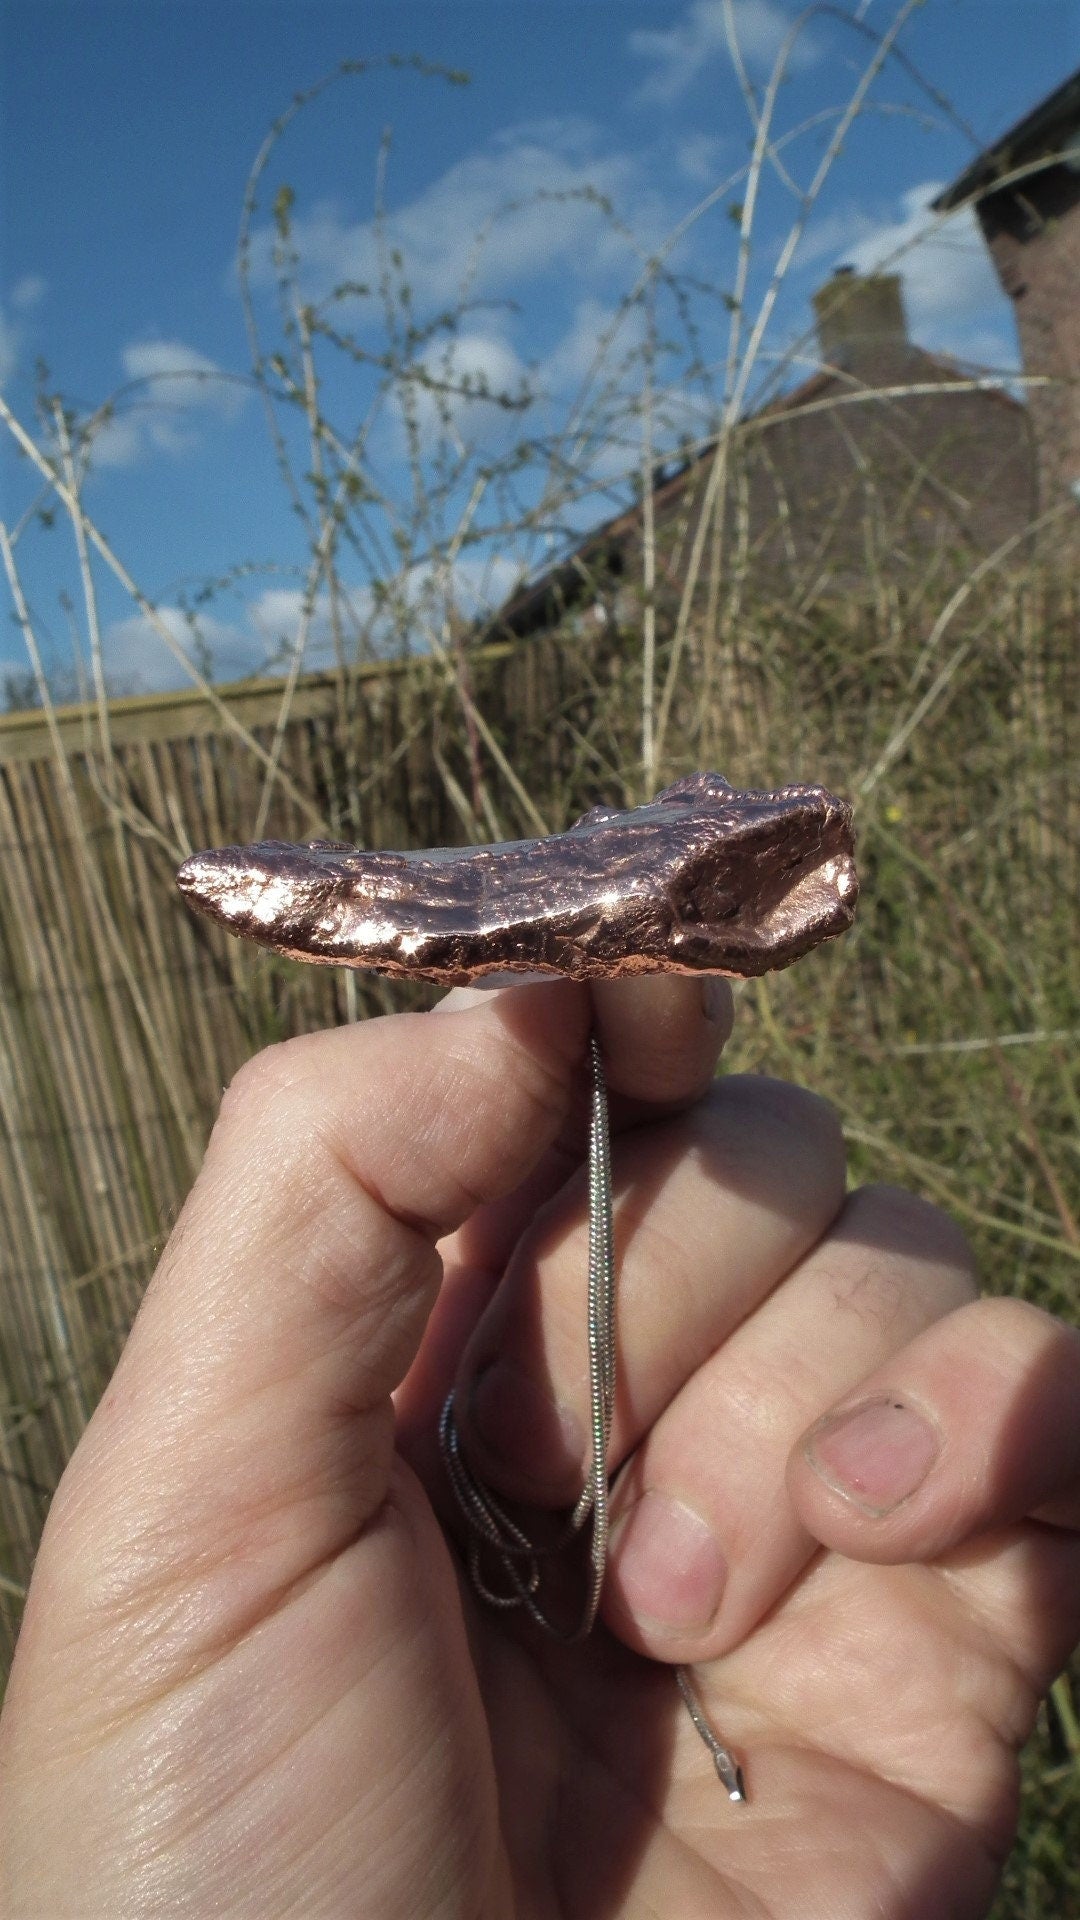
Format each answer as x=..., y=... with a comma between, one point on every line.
x=705, y=879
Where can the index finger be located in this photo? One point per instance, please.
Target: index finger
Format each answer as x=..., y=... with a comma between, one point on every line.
x=661, y=1036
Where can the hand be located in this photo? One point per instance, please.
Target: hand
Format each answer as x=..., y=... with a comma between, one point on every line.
x=251, y=1680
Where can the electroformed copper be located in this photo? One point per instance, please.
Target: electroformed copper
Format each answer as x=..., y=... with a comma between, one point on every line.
x=704, y=879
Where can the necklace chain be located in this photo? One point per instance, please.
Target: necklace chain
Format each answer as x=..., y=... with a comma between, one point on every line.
x=496, y=1540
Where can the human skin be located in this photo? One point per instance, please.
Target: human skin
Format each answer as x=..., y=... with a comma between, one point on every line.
x=252, y=1680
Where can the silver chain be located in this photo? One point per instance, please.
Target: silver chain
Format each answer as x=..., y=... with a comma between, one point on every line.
x=493, y=1533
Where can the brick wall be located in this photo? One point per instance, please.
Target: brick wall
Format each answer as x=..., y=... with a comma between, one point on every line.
x=1033, y=233
x=878, y=484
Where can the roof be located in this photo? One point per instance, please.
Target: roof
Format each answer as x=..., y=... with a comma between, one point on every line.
x=1031, y=138
x=542, y=600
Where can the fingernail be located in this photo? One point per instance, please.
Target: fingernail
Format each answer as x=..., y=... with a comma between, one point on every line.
x=671, y=1571
x=876, y=1456
x=521, y=1423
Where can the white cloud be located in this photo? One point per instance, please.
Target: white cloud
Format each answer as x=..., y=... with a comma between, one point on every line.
x=413, y=608
x=137, y=660
x=119, y=441
x=583, y=349
x=24, y=295
x=588, y=412
x=482, y=582
x=698, y=158
x=177, y=390
x=676, y=55
x=530, y=198
x=427, y=595
x=182, y=376
x=470, y=374
x=277, y=617
x=27, y=292
x=952, y=296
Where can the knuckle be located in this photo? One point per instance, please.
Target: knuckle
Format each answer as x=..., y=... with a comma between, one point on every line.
x=258, y=1087
x=916, y=1228
x=808, y=1115
x=788, y=1127
x=817, y=1118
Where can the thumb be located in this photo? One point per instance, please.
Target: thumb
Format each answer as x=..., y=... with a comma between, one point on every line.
x=248, y=1428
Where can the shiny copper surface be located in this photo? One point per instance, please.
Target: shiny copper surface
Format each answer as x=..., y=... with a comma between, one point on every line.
x=705, y=879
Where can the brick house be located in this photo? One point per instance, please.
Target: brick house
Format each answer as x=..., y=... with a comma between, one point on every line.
x=1025, y=190
x=884, y=462
x=888, y=455
x=881, y=464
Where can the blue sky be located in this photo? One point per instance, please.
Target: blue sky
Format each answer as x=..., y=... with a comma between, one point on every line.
x=127, y=132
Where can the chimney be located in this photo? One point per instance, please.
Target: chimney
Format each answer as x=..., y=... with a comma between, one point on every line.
x=855, y=311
